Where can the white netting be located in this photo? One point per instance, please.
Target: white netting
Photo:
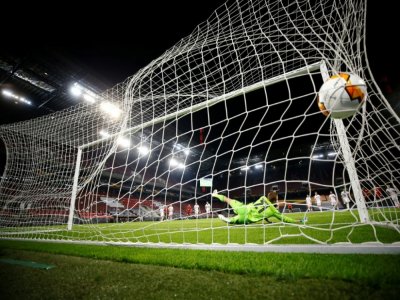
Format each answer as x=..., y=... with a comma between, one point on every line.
x=234, y=102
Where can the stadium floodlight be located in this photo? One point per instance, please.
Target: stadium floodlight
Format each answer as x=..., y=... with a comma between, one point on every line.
x=8, y=93
x=143, y=150
x=14, y=96
x=124, y=142
x=332, y=154
x=179, y=148
x=111, y=109
x=89, y=98
x=76, y=90
x=104, y=133
x=24, y=100
x=173, y=162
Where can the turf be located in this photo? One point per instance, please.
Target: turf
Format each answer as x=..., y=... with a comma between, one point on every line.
x=111, y=272
x=323, y=227
x=119, y=272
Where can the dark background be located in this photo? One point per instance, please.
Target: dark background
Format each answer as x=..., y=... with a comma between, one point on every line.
x=104, y=44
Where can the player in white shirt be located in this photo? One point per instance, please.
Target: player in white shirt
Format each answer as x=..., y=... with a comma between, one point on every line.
x=170, y=212
x=345, y=198
x=309, y=203
x=161, y=212
x=196, y=208
x=332, y=198
x=317, y=199
x=208, y=209
x=393, y=194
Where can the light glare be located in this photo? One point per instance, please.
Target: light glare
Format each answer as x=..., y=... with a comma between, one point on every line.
x=104, y=133
x=124, y=142
x=143, y=150
x=89, y=98
x=111, y=109
x=76, y=90
x=10, y=94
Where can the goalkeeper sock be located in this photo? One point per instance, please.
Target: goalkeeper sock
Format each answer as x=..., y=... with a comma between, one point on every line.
x=220, y=197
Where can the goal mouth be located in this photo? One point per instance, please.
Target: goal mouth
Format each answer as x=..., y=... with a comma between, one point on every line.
x=232, y=107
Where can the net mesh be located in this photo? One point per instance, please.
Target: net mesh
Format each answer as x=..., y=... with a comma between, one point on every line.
x=233, y=104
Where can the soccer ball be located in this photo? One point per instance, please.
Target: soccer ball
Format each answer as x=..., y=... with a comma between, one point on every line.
x=342, y=95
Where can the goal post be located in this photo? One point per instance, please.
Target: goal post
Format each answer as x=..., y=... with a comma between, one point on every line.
x=348, y=159
x=74, y=190
x=303, y=71
x=351, y=169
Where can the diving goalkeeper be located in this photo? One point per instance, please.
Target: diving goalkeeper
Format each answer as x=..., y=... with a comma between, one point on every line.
x=253, y=212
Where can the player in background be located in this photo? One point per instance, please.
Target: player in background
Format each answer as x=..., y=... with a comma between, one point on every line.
x=253, y=212
x=309, y=203
x=393, y=192
x=377, y=195
x=332, y=198
x=188, y=210
x=170, y=212
x=317, y=199
x=367, y=195
x=346, y=198
x=378, y=192
x=196, y=208
x=161, y=208
x=208, y=209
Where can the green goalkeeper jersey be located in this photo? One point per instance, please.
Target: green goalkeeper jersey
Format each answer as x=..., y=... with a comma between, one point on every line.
x=256, y=211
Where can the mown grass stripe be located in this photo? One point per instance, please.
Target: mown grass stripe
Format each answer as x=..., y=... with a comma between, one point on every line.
x=26, y=263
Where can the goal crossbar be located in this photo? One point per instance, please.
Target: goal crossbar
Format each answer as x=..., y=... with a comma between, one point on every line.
x=253, y=87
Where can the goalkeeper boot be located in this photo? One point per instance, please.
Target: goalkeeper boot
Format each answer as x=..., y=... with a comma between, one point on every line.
x=223, y=218
x=304, y=220
x=216, y=195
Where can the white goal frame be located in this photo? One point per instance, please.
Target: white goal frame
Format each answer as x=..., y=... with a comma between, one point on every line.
x=348, y=159
x=319, y=66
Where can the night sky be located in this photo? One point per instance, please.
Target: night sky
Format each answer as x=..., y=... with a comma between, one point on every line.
x=113, y=42
x=117, y=49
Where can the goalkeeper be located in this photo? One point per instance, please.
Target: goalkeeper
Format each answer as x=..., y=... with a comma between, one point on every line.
x=262, y=209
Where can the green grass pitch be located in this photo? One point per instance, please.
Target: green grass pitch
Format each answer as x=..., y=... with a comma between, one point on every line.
x=322, y=227
x=115, y=272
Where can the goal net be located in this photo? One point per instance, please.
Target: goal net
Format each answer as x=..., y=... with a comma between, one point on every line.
x=231, y=107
